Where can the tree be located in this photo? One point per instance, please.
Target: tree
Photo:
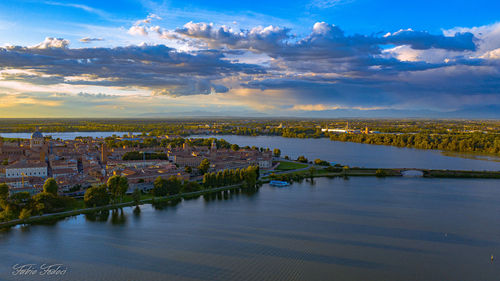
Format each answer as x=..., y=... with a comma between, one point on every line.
x=25, y=214
x=20, y=198
x=204, y=166
x=312, y=170
x=190, y=186
x=160, y=187
x=345, y=169
x=380, y=173
x=321, y=162
x=302, y=159
x=206, y=180
x=235, y=147
x=174, y=185
x=4, y=191
x=188, y=169
x=250, y=176
x=46, y=202
x=96, y=196
x=5, y=162
x=136, y=196
x=218, y=179
x=117, y=186
x=50, y=186
x=277, y=152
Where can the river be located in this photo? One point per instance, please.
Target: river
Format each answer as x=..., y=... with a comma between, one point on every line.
x=346, y=153
x=366, y=155
x=362, y=228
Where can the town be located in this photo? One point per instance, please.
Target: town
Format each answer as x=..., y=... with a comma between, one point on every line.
x=84, y=162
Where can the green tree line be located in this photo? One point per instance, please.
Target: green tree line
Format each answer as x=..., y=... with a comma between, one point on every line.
x=22, y=205
x=476, y=142
x=248, y=176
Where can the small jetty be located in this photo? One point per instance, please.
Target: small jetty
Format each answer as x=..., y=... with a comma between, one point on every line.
x=279, y=183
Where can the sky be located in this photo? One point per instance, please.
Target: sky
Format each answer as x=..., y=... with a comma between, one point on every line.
x=324, y=58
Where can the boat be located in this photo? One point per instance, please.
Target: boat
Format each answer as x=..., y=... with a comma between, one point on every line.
x=278, y=183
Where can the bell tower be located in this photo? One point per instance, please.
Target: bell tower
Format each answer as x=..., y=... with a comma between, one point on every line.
x=104, y=154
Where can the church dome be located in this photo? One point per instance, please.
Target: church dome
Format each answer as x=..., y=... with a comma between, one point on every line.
x=37, y=135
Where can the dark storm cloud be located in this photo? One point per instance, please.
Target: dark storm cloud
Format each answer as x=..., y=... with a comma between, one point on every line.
x=157, y=67
x=420, y=40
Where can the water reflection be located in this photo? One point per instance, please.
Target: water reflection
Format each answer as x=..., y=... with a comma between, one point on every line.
x=118, y=217
x=361, y=229
x=97, y=216
x=137, y=211
x=230, y=194
x=164, y=205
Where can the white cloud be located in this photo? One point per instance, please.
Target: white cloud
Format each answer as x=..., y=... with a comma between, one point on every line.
x=138, y=30
x=51, y=42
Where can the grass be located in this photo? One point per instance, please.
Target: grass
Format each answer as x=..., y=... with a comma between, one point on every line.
x=80, y=204
x=287, y=166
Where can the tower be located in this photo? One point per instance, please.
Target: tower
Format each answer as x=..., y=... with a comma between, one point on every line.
x=42, y=155
x=366, y=130
x=213, y=147
x=104, y=154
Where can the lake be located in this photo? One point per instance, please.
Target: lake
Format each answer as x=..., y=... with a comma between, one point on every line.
x=365, y=155
x=362, y=228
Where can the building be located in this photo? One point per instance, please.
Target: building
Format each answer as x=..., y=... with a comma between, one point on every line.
x=36, y=140
x=21, y=169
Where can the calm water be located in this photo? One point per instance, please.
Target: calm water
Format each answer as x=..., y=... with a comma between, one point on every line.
x=336, y=229
x=366, y=155
x=66, y=135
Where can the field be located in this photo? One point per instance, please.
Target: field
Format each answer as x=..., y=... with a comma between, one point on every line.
x=286, y=166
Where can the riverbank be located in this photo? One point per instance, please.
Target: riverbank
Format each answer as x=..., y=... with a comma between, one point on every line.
x=150, y=200
x=381, y=172
x=300, y=172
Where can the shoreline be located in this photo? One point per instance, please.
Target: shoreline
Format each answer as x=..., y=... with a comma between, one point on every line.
x=443, y=152
x=61, y=215
x=292, y=175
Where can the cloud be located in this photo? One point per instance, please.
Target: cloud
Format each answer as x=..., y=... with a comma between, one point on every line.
x=148, y=19
x=421, y=40
x=89, y=40
x=154, y=67
x=270, y=69
x=200, y=87
x=325, y=40
x=325, y=4
x=80, y=7
x=97, y=96
x=492, y=55
x=51, y=42
x=141, y=27
x=138, y=30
